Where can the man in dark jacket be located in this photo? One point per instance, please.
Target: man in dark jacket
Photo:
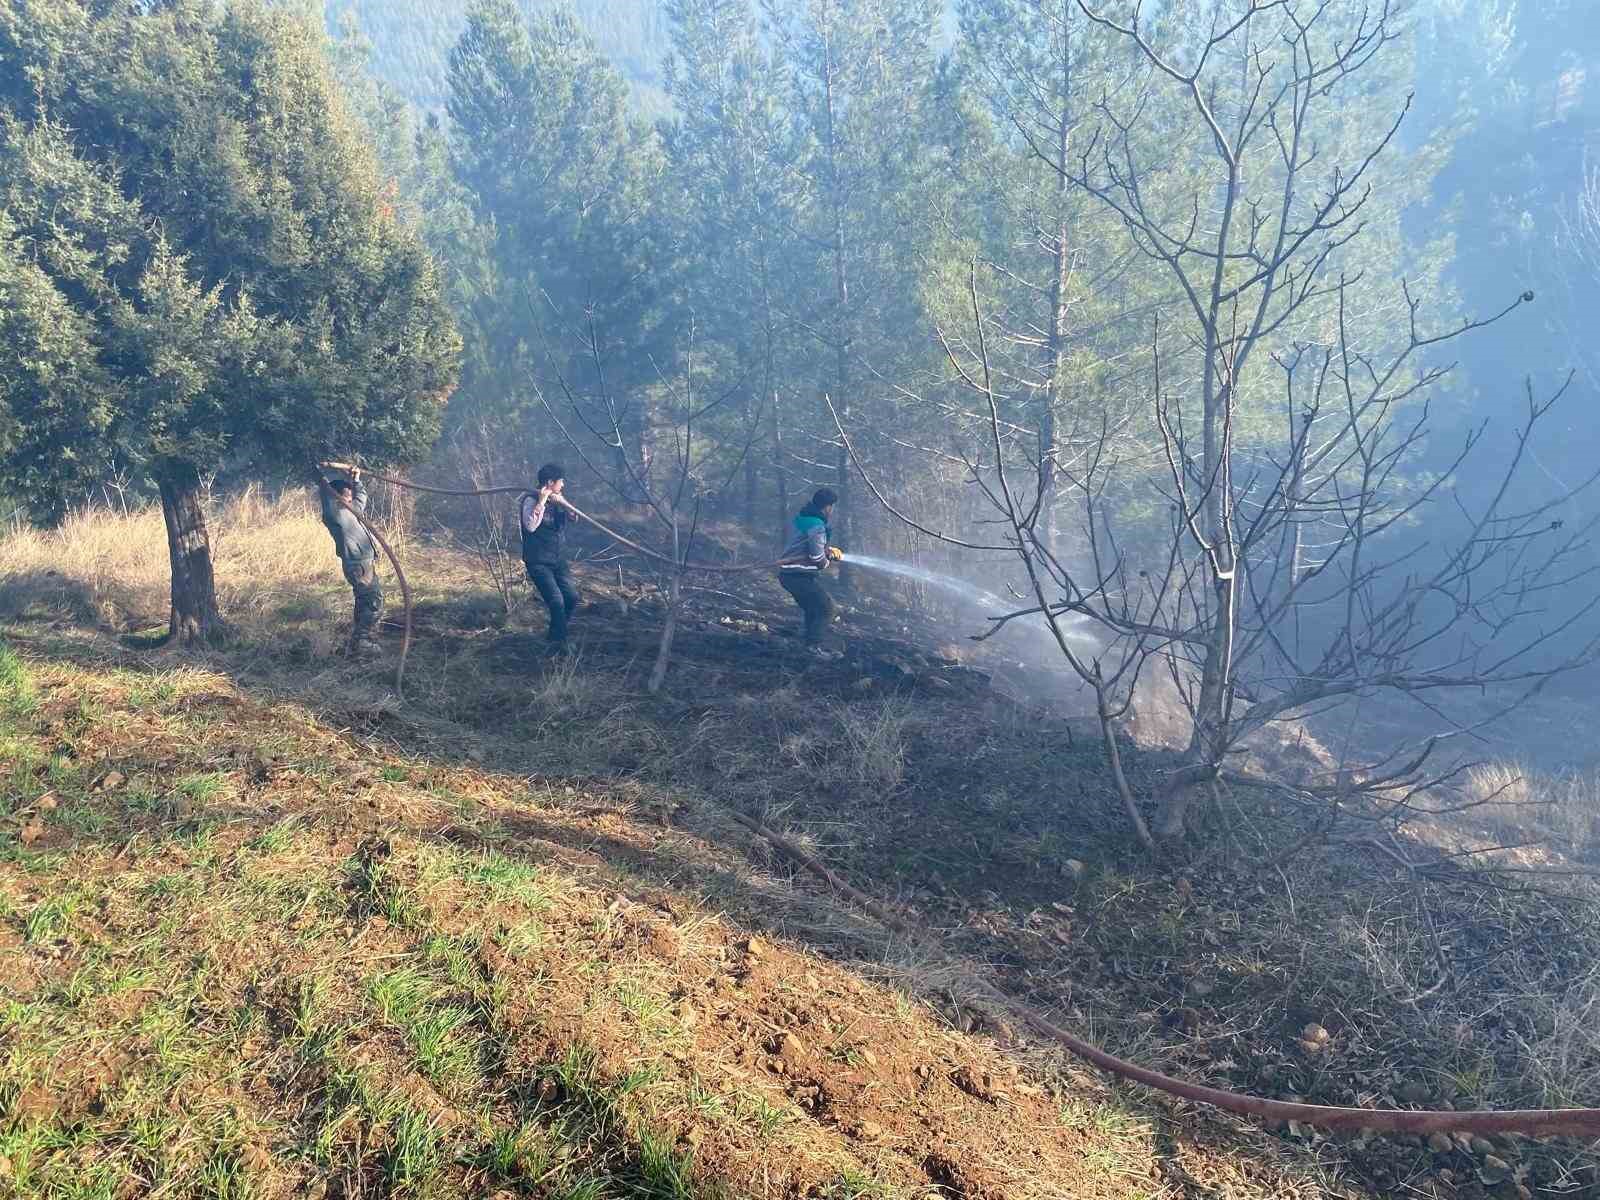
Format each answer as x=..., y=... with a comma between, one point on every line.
x=544, y=519
x=353, y=545
x=802, y=563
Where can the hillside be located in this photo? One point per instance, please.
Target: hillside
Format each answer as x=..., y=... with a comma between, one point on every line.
x=270, y=931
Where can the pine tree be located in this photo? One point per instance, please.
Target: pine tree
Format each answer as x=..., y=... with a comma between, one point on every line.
x=541, y=136
x=859, y=73
x=731, y=153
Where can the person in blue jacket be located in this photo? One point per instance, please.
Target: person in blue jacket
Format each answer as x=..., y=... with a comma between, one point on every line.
x=802, y=563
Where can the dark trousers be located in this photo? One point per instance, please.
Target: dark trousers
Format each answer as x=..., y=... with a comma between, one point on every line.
x=363, y=580
x=815, y=603
x=556, y=590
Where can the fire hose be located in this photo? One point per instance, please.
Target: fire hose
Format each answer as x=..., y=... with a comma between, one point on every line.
x=516, y=490
x=1533, y=1122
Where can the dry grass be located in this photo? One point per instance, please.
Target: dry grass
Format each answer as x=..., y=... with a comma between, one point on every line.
x=111, y=569
x=1561, y=811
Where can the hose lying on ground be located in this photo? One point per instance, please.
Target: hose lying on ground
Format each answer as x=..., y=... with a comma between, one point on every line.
x=1536, y=1122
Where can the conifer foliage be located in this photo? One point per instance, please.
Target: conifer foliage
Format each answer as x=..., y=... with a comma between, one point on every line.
x=200, y=264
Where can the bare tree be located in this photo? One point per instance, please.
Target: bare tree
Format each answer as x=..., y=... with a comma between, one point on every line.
x=674, y=493
x=1019, y=471
x=1315, y=546
x=1350, y=518
x=481, y=525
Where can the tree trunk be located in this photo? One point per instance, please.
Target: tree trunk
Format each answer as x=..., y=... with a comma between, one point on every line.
x=781, y=471
x=769, y=390
x=194, y=616
x=658, y=673
x=1055, y=345
x=1108, y=737
x=841, y=319
x=752, y=415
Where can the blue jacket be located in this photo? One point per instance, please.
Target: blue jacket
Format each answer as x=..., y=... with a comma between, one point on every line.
x=807, y=551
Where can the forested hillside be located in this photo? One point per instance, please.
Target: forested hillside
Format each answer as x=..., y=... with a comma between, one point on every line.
x=1083, y=511
x=411, y=40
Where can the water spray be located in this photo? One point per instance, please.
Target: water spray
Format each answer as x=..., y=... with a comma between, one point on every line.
x=971, y=594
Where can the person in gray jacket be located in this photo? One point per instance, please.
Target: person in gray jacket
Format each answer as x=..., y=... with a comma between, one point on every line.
x=353, y=544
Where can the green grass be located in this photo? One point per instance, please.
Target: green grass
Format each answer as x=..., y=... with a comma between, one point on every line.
x=17, y=696
x=202, y=787
x=441, y=1033
x=377, y=890
x=50, y=918
x=505, y=879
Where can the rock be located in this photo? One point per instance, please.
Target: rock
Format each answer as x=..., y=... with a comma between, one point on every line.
x=1316, y=1033
x=686, y=1014
x=1075, y=868
x=868, y=1131
x=1494, y=1170
x=46, y=802
x=868, y=1057
x=1200, y=989
x=112, y=780
x=1440, y=1143
x=1482, y=1147
x=980, y=1086
x=790, y=1048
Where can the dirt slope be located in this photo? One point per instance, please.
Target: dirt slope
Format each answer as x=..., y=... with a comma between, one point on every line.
x=243, y=954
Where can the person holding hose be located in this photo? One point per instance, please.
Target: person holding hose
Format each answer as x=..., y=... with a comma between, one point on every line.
x=353, y=546
x=802, y=563
x=544, y=518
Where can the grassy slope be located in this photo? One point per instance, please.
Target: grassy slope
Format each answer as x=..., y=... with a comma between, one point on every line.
x=263, y=930
x=245, y=956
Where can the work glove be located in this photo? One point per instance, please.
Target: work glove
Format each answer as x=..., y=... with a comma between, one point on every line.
x=835, y=553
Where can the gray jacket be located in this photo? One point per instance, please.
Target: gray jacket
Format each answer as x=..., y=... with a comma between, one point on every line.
x=351, y=542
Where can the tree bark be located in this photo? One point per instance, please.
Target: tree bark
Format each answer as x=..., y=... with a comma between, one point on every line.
x=194, y=616
x=752, y=414
x=841, y=322
x=780, y=471
x=1055, y=345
